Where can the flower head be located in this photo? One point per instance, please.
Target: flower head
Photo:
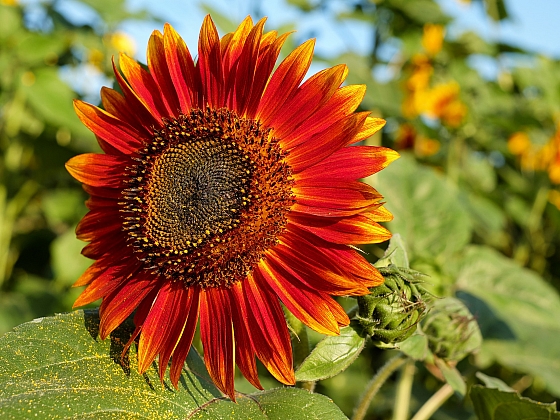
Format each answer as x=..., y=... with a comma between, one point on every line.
x=224, y=189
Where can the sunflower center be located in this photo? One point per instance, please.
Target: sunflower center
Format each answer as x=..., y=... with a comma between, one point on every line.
x=195, y=191
x=207, y=198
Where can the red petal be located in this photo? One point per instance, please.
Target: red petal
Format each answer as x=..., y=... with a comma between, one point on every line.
x=315, y=270
x=137, y=106
x=217, y=338
x=184, y=345
x=244, y=77
x=144, y=86
x=102, y=285
x=351, y=163
x=347, y=259
x=305, y=303
x=358, y=229
x=244, y=351
x=284, y=81
x=267, y=327
x=307, y=100
x=232, y=46
x=267, y=58
x=163, y=326
x=210, y=65
x=181, y=69
x=334, y=199
x=115, y=104
x=98, y=222
x=160, y=72
x=97, y=170
x=120, y=303
x=325, y=143
x=371, y=126
x=117, y=133
x=342, y=103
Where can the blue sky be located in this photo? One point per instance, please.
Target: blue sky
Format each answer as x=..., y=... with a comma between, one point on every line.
x=533, y=24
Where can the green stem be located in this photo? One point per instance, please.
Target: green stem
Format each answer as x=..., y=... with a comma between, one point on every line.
x=535, y=217
x=10, y=211
x=401, y=407
x=435, y=402
x=375, y=384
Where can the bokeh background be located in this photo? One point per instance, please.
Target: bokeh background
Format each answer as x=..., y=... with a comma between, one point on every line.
x=471, y=94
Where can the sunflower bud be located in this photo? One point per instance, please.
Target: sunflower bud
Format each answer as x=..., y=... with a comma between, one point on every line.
x=451, y=330
x=390, y=312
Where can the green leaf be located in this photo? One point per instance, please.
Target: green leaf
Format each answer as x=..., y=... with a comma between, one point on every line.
x=493, y=404
x=518, y=314
x=52, y=99
x=427, y=211
x=495, y=383
x=57, y=367
x=10, y=21
x=331, y=356
x=416, y=346
x=67, y=261
x=395, y=254
x=452, y=377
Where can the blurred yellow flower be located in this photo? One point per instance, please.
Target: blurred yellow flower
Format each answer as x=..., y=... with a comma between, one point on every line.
x=454, y=113
x=408, y=138
x=554, y=198
x=9, y=2
x=95, y=57
x=519, y=143
x=536, y=157
x=443, y=102
x=432, y=39
x=122, y=42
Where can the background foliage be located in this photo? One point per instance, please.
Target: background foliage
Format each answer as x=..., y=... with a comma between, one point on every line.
x=476, y=195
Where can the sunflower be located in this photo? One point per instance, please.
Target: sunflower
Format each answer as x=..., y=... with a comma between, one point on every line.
x=225, y=190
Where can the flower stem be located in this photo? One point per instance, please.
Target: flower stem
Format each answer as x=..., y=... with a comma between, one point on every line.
x=375, y=384
x=401, y=406
x=435, y=402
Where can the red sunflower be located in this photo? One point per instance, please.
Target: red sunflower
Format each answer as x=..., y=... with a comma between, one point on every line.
x=224, y=189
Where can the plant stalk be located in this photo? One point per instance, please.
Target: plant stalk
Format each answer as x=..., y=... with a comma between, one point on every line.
x=401, y=406
x=434, y=403
x=375, y=384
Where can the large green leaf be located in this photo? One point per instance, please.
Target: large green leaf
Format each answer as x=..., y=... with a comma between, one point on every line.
x=427, y=211
x=493, y=404
x=56, y=367
x=331, y=356
x=518, y=314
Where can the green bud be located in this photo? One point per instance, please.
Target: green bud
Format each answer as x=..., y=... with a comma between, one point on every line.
x=390, y=313
x=451, y=330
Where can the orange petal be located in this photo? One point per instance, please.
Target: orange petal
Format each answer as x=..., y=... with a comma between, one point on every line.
x=268, y=328
x=308, y=99
x=342, y=103
x=144, y=86
x=300, y=300
x=350, y=163
x=97, y=170
x=210, y=65
x=160, y=72
x=117, y=133
x=285, y=81
x=181, y=69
